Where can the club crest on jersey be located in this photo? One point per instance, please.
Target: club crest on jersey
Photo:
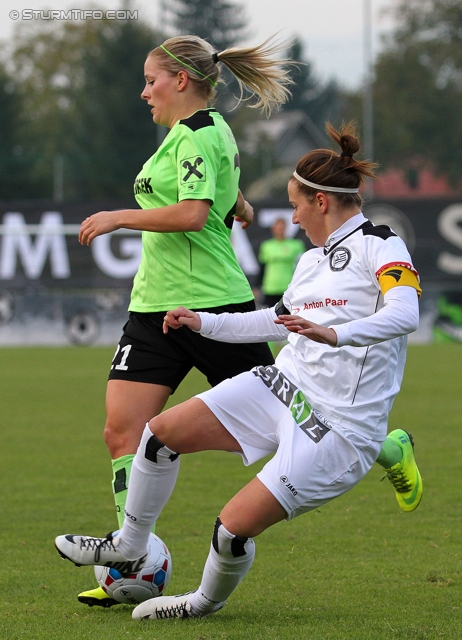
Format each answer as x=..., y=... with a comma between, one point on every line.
x=192, y=170
x=339, y=258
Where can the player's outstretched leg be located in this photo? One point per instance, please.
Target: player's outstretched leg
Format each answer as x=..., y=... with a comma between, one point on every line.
x=229, y=560
x=404, y=475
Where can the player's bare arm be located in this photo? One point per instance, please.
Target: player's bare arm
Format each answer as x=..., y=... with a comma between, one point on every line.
x=187, y=215
x=310, y=330
x=181, y=317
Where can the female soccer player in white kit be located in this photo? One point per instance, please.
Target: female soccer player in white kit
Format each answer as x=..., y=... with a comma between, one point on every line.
x=322, y=409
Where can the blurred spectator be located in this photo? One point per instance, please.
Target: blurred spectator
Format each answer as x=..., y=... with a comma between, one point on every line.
x=278, y=258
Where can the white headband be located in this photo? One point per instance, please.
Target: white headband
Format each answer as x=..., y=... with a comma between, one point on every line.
x=322, y=187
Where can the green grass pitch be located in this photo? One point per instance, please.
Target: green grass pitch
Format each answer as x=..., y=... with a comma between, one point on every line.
x=357, y=569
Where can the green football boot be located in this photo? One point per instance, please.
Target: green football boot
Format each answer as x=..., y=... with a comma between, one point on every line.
x=96, y=598
x=405, y=475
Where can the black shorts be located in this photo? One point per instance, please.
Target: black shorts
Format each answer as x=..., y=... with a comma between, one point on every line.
x=146, y=354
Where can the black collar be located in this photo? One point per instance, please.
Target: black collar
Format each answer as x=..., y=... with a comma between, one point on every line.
x=368, y=223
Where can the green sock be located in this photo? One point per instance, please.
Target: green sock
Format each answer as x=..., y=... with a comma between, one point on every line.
x=121, y=468
x=390, y=454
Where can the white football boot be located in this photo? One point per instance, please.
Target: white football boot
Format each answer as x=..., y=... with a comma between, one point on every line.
x=167, y=607
x=86, y=550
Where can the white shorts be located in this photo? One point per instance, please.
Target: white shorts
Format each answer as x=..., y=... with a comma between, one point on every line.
x=311, y=465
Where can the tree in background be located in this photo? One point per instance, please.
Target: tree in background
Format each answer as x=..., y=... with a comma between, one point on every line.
x=47, y=67
x=221, y=23
x=418, y=89
x=76, y=97
x=320, y=101
x=116, y=134
x=12, y=168
x=80, y=86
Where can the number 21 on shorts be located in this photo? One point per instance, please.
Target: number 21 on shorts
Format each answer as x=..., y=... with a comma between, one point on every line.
x=124, y=351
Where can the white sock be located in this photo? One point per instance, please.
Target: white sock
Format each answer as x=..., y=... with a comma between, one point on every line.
x=152, y=480
x=229, y=560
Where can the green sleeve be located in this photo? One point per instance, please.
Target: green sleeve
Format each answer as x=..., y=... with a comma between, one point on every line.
x=197, y=158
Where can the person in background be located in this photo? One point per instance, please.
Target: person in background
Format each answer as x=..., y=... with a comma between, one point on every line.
x=278, y=257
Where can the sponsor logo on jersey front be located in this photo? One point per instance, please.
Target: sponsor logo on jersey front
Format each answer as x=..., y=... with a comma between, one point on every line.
x=294, y=310
x=143, y=185
x=310, y=305
x=327, y=302
x=339, y=258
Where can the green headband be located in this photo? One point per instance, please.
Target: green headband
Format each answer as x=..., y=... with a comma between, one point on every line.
x=212, y=82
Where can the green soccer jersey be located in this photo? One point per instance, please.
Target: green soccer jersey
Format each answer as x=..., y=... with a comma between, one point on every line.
x=279, y=258
x=197, y=160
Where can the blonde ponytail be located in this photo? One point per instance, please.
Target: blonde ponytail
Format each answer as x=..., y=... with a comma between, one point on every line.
x=257, y=69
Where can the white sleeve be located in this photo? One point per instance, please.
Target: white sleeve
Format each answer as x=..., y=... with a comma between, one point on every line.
x=398, y=317
x=253, y=326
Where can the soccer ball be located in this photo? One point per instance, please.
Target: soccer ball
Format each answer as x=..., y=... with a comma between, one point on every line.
x=150, y=582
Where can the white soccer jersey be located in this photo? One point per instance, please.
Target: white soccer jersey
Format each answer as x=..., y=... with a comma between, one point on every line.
x=339, y=285
x=351, y=385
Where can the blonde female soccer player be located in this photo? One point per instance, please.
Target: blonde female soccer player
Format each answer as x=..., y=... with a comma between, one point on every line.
x=188, y=197
x=322, y=409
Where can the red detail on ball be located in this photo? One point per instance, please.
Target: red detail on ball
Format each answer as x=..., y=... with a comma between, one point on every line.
x=148, y=577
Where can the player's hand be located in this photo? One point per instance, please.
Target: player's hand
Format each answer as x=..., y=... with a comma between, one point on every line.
x=181, y=317
x=310, y=330
x=96, y=225
x=244, y=211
